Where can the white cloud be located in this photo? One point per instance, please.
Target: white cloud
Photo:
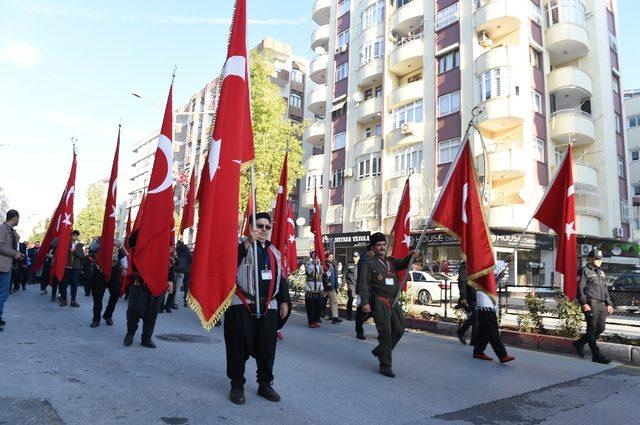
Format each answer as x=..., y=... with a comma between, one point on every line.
x=19, y=53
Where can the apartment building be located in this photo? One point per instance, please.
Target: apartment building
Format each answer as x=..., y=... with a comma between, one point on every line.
x=632, y=110
x=399, y=82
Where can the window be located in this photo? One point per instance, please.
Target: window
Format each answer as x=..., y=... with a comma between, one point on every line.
x=613, y=42
x=615, y=83
x=536, y=98
x=407, y=161
x=368, y=94
x=559, y=154
x=412, y=112
x=337, y=178
x=535, y=13
x=314, y=180
x=620, y=167
x=447, y=16
x=565, y=11
x=636, y=189
x=535, y=57
x=339, y=140
x=490, y=83
x=633, y=120
x=624, y=211
x=371, y=49
x=448, y=61
x=449, y=103
x=373, y=131
x=379, y=91
x=618, y=119
x=416, y=77
x=369, y=166
x=343, y=7
x=297, y=76
x=342, y=71
x=295, y=100
x=401, y=3
x=538, y=146
x=343, y=39
x=447, y=150
x=636, y=224
x=372, y=14
x=635, y=155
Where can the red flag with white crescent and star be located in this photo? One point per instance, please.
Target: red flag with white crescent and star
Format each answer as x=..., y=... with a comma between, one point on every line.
x=215, y=257
x=150, y=255
x=316, y=229
x=279, y=233
x=50, y=235
x=107, y=239
x=65, y=224
x=459, y=211
x=557, y=211
x=189, y=209
x=290, y=254
x=402, y=229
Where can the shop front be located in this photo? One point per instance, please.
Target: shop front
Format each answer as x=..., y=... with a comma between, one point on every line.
x=345, y=244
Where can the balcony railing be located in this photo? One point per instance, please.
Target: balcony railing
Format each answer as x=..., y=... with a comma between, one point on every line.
x=578, y=112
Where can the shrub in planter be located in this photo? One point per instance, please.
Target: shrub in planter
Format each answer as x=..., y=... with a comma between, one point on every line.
x=531, y=320
x=570, y=315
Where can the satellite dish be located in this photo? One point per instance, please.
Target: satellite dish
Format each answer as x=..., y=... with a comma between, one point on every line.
x=320, y=50
x=357, y=97
x=300, y=221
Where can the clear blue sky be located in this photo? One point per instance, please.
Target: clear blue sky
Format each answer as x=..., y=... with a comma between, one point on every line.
x=67, y=68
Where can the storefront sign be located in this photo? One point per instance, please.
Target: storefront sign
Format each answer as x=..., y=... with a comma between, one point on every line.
x=347, y=239
x=435, y=238
x=529, y=240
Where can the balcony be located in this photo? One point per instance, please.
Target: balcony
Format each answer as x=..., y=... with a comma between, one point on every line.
x=407, y=57
x=317, y=101
x=367, y=146
x=307, y=197
x=371, y=73
x=497, y=17
x=314, y=134
x=408, y=17
x=369, y=110
x=509, y=215
x=406, y=94
x=567, y=42
x=493, y=58
x=571, y=81
x=320, y=11
x=572, y=125
x=401, y=137
x=320, y=38
x=506, y=161
x=318, y=69
x=502, y=113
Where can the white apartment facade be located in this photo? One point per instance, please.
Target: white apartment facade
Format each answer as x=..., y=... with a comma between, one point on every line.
x=632, y=123
x=399, y=81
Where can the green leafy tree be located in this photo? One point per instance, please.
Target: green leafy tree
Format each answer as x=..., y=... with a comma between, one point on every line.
x=273, y=132
x=39, y=230
x=89, y=220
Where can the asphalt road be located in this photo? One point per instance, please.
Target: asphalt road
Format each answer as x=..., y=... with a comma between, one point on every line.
x=57, y=370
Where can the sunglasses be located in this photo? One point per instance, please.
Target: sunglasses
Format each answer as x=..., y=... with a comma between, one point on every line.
x=263, y=226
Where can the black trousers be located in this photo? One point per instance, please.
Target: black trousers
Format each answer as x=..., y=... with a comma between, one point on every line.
x=313, y=304
x=361, y=317
x=70, y=278
x=596, y=320
x=351, y=294
x=488, y=333
x=142, y=305
x=99, y=286
x=283, y=320
x=54, y=287
x=471, y=322
x=246, y=335
x=390, y=327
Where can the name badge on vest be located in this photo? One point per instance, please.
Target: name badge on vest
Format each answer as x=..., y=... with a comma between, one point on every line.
x=389, y=281
x=266, y=274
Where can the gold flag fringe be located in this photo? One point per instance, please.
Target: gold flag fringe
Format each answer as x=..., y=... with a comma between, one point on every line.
x=207, y=324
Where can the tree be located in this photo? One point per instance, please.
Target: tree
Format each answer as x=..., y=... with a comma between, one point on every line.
x=89, y=221
x=39, y=230
x=272, y=132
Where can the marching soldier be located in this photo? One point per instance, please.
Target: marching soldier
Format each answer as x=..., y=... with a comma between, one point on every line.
x=596, y=304
x=378, y=286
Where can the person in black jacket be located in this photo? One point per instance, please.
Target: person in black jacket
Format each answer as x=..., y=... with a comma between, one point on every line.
x=118, y=269
x=467, y=301
x=352, y=282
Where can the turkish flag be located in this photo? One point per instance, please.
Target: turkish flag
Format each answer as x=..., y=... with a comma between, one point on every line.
x=50, y=235
x=459, y=211
x=189, y=209
x=150, y=255
x=247, y=215
x=290, y=254
x=402, y=229
x=107, y=239
x=215, y=257
x=279, y=233
x=316, y=229
x=557, y=211
x=64, y=224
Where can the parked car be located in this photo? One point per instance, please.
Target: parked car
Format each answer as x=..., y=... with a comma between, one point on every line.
x=625, y=292
x=428, y=287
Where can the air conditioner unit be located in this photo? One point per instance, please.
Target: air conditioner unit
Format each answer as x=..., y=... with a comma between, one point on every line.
x=584, y=249
x=348, y=172
x=406, y=129
x=617, y=232
x=484, y=40
x=342, y=49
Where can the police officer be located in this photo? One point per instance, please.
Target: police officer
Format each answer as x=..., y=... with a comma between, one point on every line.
x=378, y=286
x=596, y=303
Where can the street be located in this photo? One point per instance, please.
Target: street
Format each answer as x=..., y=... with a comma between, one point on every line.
x=57, y=370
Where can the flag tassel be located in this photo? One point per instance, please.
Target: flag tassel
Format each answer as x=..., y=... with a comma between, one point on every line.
x=208, y=324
